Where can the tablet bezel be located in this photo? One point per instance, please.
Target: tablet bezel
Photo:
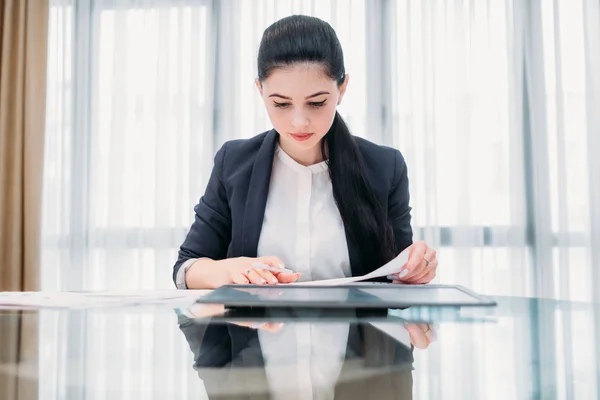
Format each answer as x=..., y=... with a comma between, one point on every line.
x=481, y=300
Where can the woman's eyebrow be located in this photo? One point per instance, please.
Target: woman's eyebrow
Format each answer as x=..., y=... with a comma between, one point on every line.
x=315, y=95
x=306, y=98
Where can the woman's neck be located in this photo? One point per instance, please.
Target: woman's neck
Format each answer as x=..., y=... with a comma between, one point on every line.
x=304, y=157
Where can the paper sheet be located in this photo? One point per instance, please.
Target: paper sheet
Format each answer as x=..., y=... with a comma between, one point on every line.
x=391, y=267
x=78, y=300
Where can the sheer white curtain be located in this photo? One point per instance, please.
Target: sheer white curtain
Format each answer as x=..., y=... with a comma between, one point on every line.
x=129, y=148
x=452, y=104
x=495, y=106
x=571, y=45
x=492, y=104
x=129, y=139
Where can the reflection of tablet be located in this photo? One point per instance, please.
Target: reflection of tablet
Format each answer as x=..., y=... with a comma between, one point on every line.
x=356, y=296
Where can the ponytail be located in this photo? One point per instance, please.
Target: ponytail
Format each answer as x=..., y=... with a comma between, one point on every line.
x=364, y=218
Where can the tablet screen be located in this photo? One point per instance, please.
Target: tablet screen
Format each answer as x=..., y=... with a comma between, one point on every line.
x=350, y=296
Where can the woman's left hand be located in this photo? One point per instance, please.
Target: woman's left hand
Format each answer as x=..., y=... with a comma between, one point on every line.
x=421, y=335
x=421, y=265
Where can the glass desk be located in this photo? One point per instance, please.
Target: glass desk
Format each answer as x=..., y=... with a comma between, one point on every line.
x=521, y=349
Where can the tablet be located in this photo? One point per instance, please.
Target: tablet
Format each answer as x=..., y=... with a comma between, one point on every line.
x=355, y=296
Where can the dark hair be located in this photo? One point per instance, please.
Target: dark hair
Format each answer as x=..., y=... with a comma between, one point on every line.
x=300, y=38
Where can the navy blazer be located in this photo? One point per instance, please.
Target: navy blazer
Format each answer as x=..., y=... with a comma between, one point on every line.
x=229, y=216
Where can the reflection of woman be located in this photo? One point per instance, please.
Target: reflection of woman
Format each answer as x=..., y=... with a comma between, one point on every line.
x=307, y=194
x=300, y=360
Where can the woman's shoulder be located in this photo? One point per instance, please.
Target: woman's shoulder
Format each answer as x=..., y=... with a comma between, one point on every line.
x=248, y=145
x=238, y=156
x=378, y=155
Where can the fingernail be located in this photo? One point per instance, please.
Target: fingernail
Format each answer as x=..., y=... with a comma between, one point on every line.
x=403, y=273
x=280, y=265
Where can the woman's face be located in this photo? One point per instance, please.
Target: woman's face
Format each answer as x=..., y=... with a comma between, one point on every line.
x=301, y=102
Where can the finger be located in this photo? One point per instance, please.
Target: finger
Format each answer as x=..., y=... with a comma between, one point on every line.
x=426, y=279
x=425, y=269
x=272, y=261
x=430, y=255
x=272, y=327
x=431, y=334
x=287, y=278
x=269, y=277
x=240, y=279
x=415, y=259
x=429, y=272
x=415, y=273
x=424, y=327
x=254, y=277
x=417, y=336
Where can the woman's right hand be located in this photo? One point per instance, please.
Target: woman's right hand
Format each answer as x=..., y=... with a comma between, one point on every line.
x=211, y=274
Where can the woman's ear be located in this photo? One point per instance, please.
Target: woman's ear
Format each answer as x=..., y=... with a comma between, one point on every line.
x=258, y=86
x=343, y=88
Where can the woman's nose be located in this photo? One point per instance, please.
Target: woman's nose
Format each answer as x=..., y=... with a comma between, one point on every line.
x=299, y=122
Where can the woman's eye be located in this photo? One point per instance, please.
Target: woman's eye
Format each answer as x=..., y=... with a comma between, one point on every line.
x=281, y=105
x=317, y=104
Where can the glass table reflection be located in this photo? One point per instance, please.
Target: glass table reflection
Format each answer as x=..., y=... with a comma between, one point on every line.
x=522, y=349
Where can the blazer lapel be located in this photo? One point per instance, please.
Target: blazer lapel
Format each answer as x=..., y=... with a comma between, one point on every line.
x=258, y=191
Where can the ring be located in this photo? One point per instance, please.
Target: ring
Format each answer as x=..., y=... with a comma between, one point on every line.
x=427, y=331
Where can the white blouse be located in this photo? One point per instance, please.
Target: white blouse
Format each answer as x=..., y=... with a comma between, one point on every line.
x=302, y=225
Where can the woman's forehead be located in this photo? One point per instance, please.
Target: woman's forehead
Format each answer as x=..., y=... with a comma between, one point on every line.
x=299, y=80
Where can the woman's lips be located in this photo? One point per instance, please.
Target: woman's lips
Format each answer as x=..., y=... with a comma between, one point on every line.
x=301, y=136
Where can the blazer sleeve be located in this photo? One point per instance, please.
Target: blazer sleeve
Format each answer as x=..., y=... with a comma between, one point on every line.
x=210, y=233
x=398, y=205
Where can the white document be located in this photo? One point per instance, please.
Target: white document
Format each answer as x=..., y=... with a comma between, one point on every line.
x=71, y=300
x=392, y=267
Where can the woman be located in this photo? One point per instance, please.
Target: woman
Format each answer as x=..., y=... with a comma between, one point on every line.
x=306, y=195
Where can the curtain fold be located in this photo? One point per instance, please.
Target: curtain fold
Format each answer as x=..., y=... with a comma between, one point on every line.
x=23, y=45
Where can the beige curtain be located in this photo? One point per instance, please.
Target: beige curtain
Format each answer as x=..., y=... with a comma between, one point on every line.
x=23, y=44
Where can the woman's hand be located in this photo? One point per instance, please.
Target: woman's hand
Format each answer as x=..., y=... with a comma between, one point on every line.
x=272, y=327
x=210, y=274
x=421, y=266
x=421, y=335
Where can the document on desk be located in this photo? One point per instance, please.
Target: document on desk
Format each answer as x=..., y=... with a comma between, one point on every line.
x=391, y=267
x=78, y=300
